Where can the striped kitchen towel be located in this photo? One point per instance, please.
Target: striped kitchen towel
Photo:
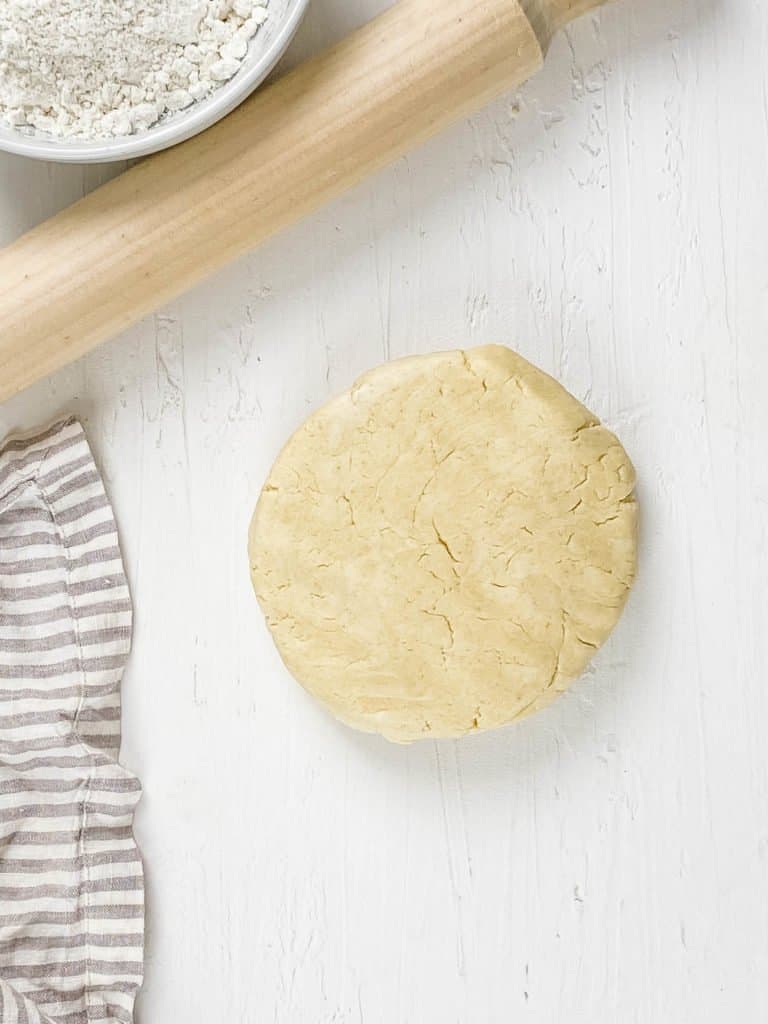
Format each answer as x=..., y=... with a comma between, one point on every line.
x=71, y=884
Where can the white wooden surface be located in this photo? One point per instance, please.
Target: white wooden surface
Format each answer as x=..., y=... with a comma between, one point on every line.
x=607, y=861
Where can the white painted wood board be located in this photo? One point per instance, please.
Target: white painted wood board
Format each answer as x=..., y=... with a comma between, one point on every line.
x=606, y=861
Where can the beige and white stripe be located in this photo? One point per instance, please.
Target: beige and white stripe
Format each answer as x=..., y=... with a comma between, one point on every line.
x=71, y=882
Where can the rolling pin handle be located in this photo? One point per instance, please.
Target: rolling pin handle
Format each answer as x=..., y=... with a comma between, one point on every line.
x=547, y=17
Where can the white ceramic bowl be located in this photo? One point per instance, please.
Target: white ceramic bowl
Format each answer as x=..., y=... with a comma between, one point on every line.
x=266, y=48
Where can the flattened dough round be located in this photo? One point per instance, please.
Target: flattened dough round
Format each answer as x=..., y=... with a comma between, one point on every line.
x=441, y=549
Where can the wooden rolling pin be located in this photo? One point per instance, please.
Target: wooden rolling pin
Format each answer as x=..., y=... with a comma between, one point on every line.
x=145, y=237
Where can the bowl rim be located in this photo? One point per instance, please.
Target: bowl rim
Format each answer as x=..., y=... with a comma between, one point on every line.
x=179, y=128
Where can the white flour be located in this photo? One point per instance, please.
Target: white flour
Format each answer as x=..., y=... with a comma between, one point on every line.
x=100, y=68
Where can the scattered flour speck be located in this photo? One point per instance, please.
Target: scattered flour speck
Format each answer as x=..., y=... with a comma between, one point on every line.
x=104, y=68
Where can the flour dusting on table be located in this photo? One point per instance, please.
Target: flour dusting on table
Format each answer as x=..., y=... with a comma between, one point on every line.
x=104, y=68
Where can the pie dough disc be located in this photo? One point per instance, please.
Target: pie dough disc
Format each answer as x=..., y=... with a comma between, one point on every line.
x=441, y=549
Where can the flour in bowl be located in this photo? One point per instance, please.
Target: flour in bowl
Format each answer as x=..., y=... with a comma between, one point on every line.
x=104, y=68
